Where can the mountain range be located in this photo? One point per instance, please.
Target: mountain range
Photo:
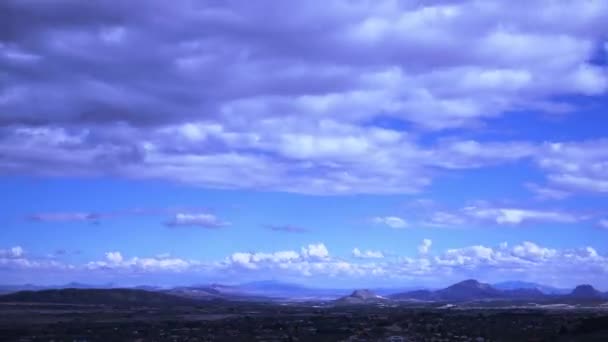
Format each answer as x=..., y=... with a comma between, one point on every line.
x=472, y=290
x=514, y=285
x=466, y=291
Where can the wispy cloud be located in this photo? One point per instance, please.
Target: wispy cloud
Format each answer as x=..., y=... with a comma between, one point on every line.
x=97, y=217
x=203, y=220
x=547, y=193
x=483, y=214
x=286, y=228
x=394, y=222
x=65, y=217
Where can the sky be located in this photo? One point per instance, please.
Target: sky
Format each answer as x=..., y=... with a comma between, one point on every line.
x=338, y=143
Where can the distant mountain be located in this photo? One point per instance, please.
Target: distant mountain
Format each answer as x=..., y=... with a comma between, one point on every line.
x=30, y=287
x=270, y=285
x=16, y=288
x=96, y=296
x=421, y=295
x=270, y=288
x=361, y=297
x=586, y=292
x=76, y=285
x=524, y=294
x=195, y=292
x=470, y=290
x=217, y=292
x=148, y=288
x=225, y=288
x=515, y=285
x=386, y=291
x=465, y=291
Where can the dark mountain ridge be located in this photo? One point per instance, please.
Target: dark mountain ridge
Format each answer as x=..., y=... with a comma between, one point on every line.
x=472, y=290
x=466, y=291
x=97, y=297
x=586, y=291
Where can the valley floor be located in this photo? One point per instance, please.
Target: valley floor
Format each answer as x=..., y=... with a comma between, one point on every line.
x=229, y=321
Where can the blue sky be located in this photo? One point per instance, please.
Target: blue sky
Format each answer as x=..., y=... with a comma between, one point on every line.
x=384, y=143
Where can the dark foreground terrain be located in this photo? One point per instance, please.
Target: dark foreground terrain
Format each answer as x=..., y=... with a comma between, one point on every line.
x=233, y=321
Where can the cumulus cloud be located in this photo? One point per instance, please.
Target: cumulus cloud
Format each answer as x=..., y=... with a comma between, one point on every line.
x=198, y=220
x=115, y=261
x=114, y=257
x=256, y=260
x=367, y=254
x=530, y=260
x=425, y=246
x=13, y=252
x=14, y=259
x=315, y=251
x=294, y=94
x=391, y=221
x=536, y=262
x=531, y=251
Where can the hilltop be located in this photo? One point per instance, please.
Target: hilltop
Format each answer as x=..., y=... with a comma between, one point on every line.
x=361, y=297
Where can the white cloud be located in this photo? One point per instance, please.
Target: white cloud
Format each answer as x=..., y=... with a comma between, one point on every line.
x=114, y=257
x=484, y=213
x=200, y=220
x=603, y=223
x=315, y=251
x=115, y=261
x=537, y=263
x=254, y=260
x=425, y=246
x=13, y=252
x=391, y=221
x=367, y=254
x=15, y=258
x=531, y=251
x=471, y=255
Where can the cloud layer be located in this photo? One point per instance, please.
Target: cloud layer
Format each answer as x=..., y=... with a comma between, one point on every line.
x=291, y=97
x=525, y=261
